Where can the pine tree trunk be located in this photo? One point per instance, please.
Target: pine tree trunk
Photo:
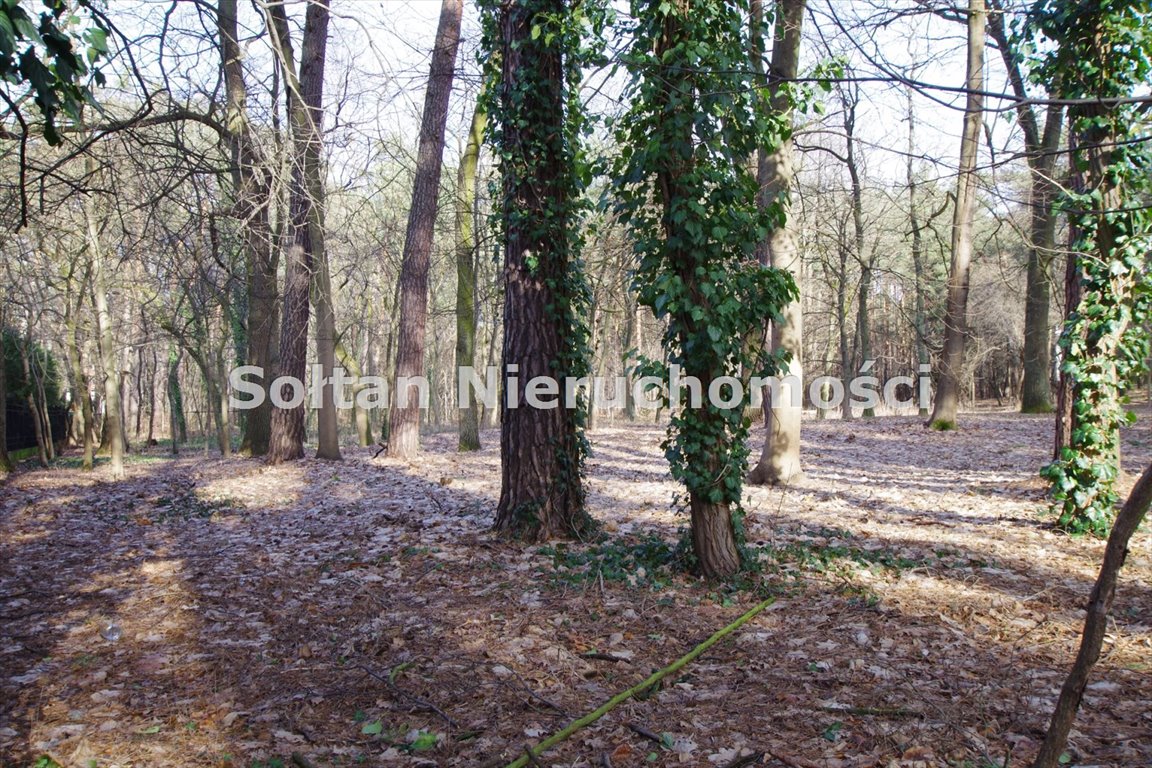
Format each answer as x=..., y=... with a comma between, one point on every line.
x=404, y=417
x=713, y=538
x=780, y=456
x=305, y=108
x=956, y=313
x=541, y=493
x=466, y=274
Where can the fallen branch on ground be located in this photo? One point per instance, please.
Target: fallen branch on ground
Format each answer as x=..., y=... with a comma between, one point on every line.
x=620, y=698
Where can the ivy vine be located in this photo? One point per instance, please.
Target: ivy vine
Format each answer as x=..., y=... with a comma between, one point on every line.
x=1103, y=51
x=44, y=53
x=686, y=193
x=572, y=34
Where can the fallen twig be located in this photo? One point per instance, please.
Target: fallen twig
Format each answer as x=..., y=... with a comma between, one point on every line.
x=656, y=677
x=792, y=760
x=650, y=735
x=876, y=711
x=410, y=696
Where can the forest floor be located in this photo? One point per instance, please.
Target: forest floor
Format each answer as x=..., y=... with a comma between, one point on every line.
x=363, y=613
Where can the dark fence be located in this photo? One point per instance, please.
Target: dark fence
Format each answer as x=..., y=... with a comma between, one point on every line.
x=22, y=430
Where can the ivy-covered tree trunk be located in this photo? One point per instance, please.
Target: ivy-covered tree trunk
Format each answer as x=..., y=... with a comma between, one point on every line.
x=541, y=450
x=684, y=147
x=404, y=417
x=466, y=274
x=1066, y=385
x=947, y=401
x=780, y=456
x=1104, y=341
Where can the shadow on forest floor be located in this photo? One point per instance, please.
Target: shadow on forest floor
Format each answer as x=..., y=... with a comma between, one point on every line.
x=362, y=612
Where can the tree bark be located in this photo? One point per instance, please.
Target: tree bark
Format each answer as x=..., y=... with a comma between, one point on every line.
x=251, y=191
x=466, y=274
x=863, y=321
x=1036, y=390
x=5, y=459
x=1065, y=389
x=327, y=417
x=178, y=425
x=1095, y=622
x=541, y=493
x=359, y=415
x=780, y=456
x=956, y=314
x=404, y=417
x=633, y=341
x=305, y=95
x=37, y=408
x=106, y=336
x=81, y=398
x=919, y=319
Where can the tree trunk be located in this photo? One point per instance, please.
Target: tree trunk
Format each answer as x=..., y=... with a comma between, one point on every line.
x=219, y=374
x=327, y=417
x=152, y=398
x=81, y=397
x=845, y=347
x=466, y=274
x=1095, y=622
x=1036, y=391
x=404, y=417
x=780, y=457
x=713, y=538
x=1065, y=389
x=41, y=399
x=360, y=415
x=633, y=341
x=955, y=319
x=863, y=323
x=113, y=426
x=919, y=319
x=178, y=425
x=5, y=459
x=305, y=96
x=541, y=451
x=251, y=189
